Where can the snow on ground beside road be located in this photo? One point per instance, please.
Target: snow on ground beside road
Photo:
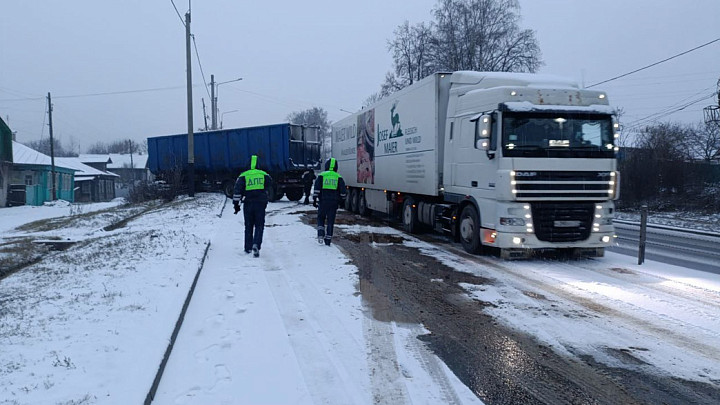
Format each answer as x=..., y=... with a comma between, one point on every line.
x=11, y=218
x=90, y=324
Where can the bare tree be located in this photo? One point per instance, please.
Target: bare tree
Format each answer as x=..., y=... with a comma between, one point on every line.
x=124, y=146
x=313, y=116
x=412, y=52
x=481, y=35
x=704, y=142
x=43, y=146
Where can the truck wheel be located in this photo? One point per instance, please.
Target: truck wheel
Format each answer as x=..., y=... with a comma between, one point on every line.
x=348, y=201
x=354, y=203
x=470, y=230
x=294, y=194
x=409, y=216
x=229, y=188
x=274, y=194
x=362, y=205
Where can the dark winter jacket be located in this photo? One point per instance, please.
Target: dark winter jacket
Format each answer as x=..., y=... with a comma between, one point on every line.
x=329, y=185
x=252, y=185
x=307, y=179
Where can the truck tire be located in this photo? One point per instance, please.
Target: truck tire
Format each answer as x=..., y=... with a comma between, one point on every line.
x=274, y=194
x=348, y=200
x=470, y=230
x=228, y=188
x=362, y=205
x=294, y=194
x=409, y=216
x=354, y=200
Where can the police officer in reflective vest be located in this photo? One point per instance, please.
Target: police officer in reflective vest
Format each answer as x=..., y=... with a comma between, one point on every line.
x=251, y=189
x=330, y=191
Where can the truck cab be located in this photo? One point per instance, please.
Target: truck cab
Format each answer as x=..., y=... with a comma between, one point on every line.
x=529, y=162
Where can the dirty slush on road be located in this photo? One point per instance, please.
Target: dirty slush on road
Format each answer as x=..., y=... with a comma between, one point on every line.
x=500, y=365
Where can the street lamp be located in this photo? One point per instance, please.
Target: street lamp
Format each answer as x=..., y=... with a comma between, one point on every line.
x=215, y=89
x=223, y=115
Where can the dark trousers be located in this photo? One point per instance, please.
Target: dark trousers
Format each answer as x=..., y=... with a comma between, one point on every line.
x=307, y=190
x=326, y=211
x=254, y=213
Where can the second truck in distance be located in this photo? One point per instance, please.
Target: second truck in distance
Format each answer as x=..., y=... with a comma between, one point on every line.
x=513, y=161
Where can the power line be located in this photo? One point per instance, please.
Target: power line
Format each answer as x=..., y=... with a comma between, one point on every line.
x=178, y=13
x=103, y=94
x=668, y=111
x=197, y=55
x=656, y=63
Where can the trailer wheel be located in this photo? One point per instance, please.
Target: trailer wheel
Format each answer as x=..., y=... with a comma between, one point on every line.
x=274, y=194
x=362, y=205
x=354, y=203
x=409, y=216
x=470, y=230
x=229, y=188
x=348, y=201
x=294, y=194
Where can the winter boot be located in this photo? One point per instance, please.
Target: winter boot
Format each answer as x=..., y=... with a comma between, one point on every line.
x=307, y=201
x=327, y=240
x=256, y=251
x=321, y=235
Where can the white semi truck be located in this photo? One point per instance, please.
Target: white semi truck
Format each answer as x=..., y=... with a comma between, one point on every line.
x=514, y=161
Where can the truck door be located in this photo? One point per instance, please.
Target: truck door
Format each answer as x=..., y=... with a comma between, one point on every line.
x=471, y=169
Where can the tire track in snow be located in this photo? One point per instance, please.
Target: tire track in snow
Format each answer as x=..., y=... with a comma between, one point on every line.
x=325, y=377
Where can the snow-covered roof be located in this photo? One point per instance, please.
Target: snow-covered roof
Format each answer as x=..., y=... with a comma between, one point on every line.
x=24, y=155
x=81, y=169
x=123, y=161
x=497, y=79
x=94, y=158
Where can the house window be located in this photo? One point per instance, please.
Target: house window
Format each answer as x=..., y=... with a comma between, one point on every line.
x=28, y=180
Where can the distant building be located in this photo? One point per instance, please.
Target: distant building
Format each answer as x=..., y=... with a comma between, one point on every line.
x=132, y=169
x=91, y=184
x=30, y=180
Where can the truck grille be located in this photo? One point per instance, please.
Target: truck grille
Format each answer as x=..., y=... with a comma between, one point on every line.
x=548, y=185
x=562, y=222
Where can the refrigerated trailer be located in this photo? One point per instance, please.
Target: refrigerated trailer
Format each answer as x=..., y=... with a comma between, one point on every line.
x=285, y=151
x=515, y=161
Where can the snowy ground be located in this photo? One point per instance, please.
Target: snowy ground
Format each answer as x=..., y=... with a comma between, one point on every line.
x=89, y=325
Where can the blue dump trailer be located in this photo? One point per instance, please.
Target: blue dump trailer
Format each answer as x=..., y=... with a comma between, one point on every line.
x=285, y=151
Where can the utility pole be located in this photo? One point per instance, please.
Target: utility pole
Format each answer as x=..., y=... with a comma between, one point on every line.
x=204, y=114
x=213, y=104
x=52, y=148
x=191, y=141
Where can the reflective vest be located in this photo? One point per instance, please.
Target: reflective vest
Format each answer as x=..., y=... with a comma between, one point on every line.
x=254, y=178
x=330, y=180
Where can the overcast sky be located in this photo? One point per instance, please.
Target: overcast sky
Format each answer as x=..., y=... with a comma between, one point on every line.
x=294, y=55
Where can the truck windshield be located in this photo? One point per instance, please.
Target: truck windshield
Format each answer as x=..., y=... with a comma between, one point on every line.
x=557, y=135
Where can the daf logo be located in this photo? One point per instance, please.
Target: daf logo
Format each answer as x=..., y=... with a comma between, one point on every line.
x=525, y=174
x=604, y=174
